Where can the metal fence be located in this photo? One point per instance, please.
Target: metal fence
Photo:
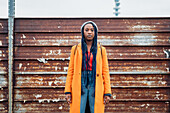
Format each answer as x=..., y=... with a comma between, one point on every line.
x=137, y=49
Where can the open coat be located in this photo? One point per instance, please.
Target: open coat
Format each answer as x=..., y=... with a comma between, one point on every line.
x=73, y=81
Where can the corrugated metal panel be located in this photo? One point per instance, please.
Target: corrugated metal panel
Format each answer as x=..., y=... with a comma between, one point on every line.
x=3, y=65
x=3, y=81
x=3, y=53
x=137, y=107
x=113, y=52
x=118, y=107
x=36, y=107
x=137, y=49
x=41, y=65
x=55, y=80
x=58, y=80
x=3, y=96
x=138, y=60
x=3, y=40
x=104, y=25
x=106, y=39
x=3, y=26
x=48, y=94
x=139, y=80
x=4, y=107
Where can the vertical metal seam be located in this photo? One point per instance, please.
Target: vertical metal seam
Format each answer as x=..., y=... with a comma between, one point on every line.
x=11, y=15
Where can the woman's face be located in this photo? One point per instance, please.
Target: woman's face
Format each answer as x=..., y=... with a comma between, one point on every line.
x=89, y=32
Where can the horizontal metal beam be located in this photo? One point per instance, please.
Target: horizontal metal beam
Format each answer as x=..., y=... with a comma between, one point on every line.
x=113, y=87
x=26, y=45
x=56, y=59
x=146, y=87
x=111, y=100
x=140, y=100
x=27, y=73
x=130, y=73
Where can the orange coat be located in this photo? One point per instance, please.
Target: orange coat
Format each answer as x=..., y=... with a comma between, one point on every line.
x=73, y=81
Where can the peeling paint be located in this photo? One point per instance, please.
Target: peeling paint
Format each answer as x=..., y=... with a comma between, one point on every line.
x=23, y=36
x=68, y=58
x=142, y=105
x=142, y=39
x=50, y=83
x=1, y=25
x=21, y=41
x=0, y=43
x=3, y=81
x=60, y=107
x=20, y=65
x=114, y=96
x=56, y=82
x=153, y=109
x=167, y=69
x=41, y=79
x=34, y=38
x=1, y=95
x=25, y=68
x=48, y=100
x=55, y=100
x=56, y=68
x=61, y=59
x=59, y=51
x=1, y=100
x=0, y=53
x=157, y=96
x=65, y=68
x=38, y=82
x=166, y=53
x=147, y=105
x=53, y=52
x=41, y=100
x=42, y=60
x=143, y=27
x=38, y=96
x=108, y=41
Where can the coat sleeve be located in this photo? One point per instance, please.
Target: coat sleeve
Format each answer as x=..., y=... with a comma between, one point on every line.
x=70, y=72
x=105, y=72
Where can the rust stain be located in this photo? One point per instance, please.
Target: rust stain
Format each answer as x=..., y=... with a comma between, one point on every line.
x=42, y=49
x=42, y=54
x=70, y=39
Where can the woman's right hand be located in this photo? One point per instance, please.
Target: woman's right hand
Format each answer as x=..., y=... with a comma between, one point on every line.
x=68, y=98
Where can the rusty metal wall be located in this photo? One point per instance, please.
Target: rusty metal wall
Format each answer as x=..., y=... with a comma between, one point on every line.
x=3, y=65
x=138, y=53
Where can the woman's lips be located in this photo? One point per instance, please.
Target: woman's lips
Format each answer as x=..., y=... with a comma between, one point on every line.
x=89, y=36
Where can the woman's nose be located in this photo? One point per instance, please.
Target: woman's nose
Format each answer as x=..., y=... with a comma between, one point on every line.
x=89, y=32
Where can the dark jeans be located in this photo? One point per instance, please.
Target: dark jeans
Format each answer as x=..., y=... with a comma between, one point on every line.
x=87, y=91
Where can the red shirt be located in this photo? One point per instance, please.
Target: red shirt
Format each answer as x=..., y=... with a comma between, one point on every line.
x=90, y=61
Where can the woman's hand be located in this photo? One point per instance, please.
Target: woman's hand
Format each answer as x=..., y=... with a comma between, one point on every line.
x=68, y=98
x=106, y=99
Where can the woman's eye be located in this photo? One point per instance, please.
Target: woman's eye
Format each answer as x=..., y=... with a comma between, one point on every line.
x=86, y=29
x=92, y=30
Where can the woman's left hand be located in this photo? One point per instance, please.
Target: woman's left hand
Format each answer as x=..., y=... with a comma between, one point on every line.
x=106, y=99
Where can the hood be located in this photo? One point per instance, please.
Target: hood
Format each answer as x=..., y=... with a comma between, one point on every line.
x=95, y=34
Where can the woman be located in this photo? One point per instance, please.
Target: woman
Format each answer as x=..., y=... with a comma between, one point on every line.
x=88, y=78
